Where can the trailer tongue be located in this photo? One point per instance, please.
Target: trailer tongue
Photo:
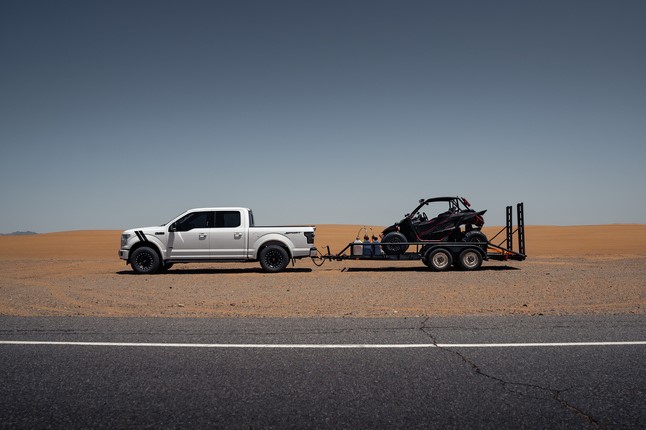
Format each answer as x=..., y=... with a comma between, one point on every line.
x=440, y=256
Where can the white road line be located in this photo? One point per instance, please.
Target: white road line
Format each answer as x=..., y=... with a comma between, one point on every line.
x=318, y=346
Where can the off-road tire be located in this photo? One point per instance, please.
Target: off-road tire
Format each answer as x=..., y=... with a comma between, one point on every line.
x=273, y=258
x=390, y=241
x=438, y=259
x=145, y=261
x=470, y=259
x=476, y=236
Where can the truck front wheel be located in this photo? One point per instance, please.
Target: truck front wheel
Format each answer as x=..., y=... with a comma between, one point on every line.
x=145, y=260
x=273, y=258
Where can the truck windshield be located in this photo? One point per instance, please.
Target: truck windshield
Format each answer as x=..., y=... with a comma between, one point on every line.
x=174, y=218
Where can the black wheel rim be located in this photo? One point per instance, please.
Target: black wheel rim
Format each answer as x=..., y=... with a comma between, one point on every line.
x=392, y=246
x=274, y=259
x=144, y=261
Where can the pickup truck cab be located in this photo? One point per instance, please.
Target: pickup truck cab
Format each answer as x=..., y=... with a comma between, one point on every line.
x=215, y=235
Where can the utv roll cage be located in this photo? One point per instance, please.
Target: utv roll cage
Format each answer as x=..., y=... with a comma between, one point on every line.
x=455, y=203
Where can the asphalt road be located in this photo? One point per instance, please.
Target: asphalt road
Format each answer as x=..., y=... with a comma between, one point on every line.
x=451, y=378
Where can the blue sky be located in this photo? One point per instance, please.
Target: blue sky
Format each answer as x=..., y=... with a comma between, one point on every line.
x=116, y=114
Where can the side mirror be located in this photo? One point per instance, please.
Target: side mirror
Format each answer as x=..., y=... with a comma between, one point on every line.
x=172, y=227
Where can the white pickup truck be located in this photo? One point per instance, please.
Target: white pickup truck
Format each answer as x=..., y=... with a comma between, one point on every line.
x=214, y=235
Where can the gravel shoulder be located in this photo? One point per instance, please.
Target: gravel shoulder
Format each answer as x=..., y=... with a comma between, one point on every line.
x=358, y=289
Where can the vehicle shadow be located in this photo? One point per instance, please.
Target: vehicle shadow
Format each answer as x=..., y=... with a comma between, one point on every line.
x=423, y=269
x=215, y=271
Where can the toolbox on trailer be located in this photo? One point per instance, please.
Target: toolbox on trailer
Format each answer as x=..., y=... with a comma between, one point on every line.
x=441, y=252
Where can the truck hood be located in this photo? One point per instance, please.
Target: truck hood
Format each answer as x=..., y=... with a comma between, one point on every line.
x=146, y=230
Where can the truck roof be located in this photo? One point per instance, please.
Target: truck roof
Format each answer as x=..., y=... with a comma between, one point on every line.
x=219, y=208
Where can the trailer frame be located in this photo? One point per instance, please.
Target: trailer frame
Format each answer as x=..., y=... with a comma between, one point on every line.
x=458, y=251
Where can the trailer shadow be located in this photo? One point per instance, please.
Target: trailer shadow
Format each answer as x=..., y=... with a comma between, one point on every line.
x=423, y=269
x=215, y=271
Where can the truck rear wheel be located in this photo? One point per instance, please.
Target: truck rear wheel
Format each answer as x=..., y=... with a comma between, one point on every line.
x=273, y=258
x=470, y=259
x=145, y=260
x=438, y=260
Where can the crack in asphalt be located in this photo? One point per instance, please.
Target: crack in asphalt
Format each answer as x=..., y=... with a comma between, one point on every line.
x=511, y=386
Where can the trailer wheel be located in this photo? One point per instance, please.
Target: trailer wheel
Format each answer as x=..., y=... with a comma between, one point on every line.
x=273, y=258
x=390, y=241
x=470, y=259
x=145, y=260
x=438, y=260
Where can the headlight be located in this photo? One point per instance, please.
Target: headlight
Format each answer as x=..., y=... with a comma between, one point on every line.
x=124, y=239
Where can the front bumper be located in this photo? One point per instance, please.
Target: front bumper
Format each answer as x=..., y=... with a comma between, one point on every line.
x=124, y=254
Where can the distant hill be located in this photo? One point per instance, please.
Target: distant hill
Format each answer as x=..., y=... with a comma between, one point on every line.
x=19, y=233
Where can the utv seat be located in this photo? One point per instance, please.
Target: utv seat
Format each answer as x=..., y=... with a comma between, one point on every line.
x=431, y=223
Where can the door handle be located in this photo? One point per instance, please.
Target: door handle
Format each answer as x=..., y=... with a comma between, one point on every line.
x=237, y=235
x=202, y=236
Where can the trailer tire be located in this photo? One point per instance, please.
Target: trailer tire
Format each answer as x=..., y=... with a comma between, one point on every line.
x=273, y=258
x=390, y=241
x=438, y=259
x=145, y=260
x=470, y=259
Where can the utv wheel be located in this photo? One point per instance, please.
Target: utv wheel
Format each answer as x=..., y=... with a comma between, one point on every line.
x=439, y=260
x=476, y=236
x=390, y=241
x=274, y=258
x=470, y=259
x=145, y=260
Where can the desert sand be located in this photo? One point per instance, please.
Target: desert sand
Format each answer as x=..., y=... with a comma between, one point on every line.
x=569, y=270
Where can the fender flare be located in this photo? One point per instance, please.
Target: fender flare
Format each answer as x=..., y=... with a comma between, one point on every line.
x=272, y=239
x=148, y=240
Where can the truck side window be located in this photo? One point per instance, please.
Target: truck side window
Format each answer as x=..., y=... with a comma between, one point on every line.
x=195, y=220
x=227, y=219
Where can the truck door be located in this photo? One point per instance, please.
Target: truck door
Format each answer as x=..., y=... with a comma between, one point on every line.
x=189, y=237
x=229, y=235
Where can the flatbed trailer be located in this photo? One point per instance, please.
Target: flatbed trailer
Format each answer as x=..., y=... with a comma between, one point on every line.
x=442, y=255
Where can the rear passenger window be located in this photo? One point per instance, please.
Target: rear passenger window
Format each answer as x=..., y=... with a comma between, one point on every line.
x=227, y=219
